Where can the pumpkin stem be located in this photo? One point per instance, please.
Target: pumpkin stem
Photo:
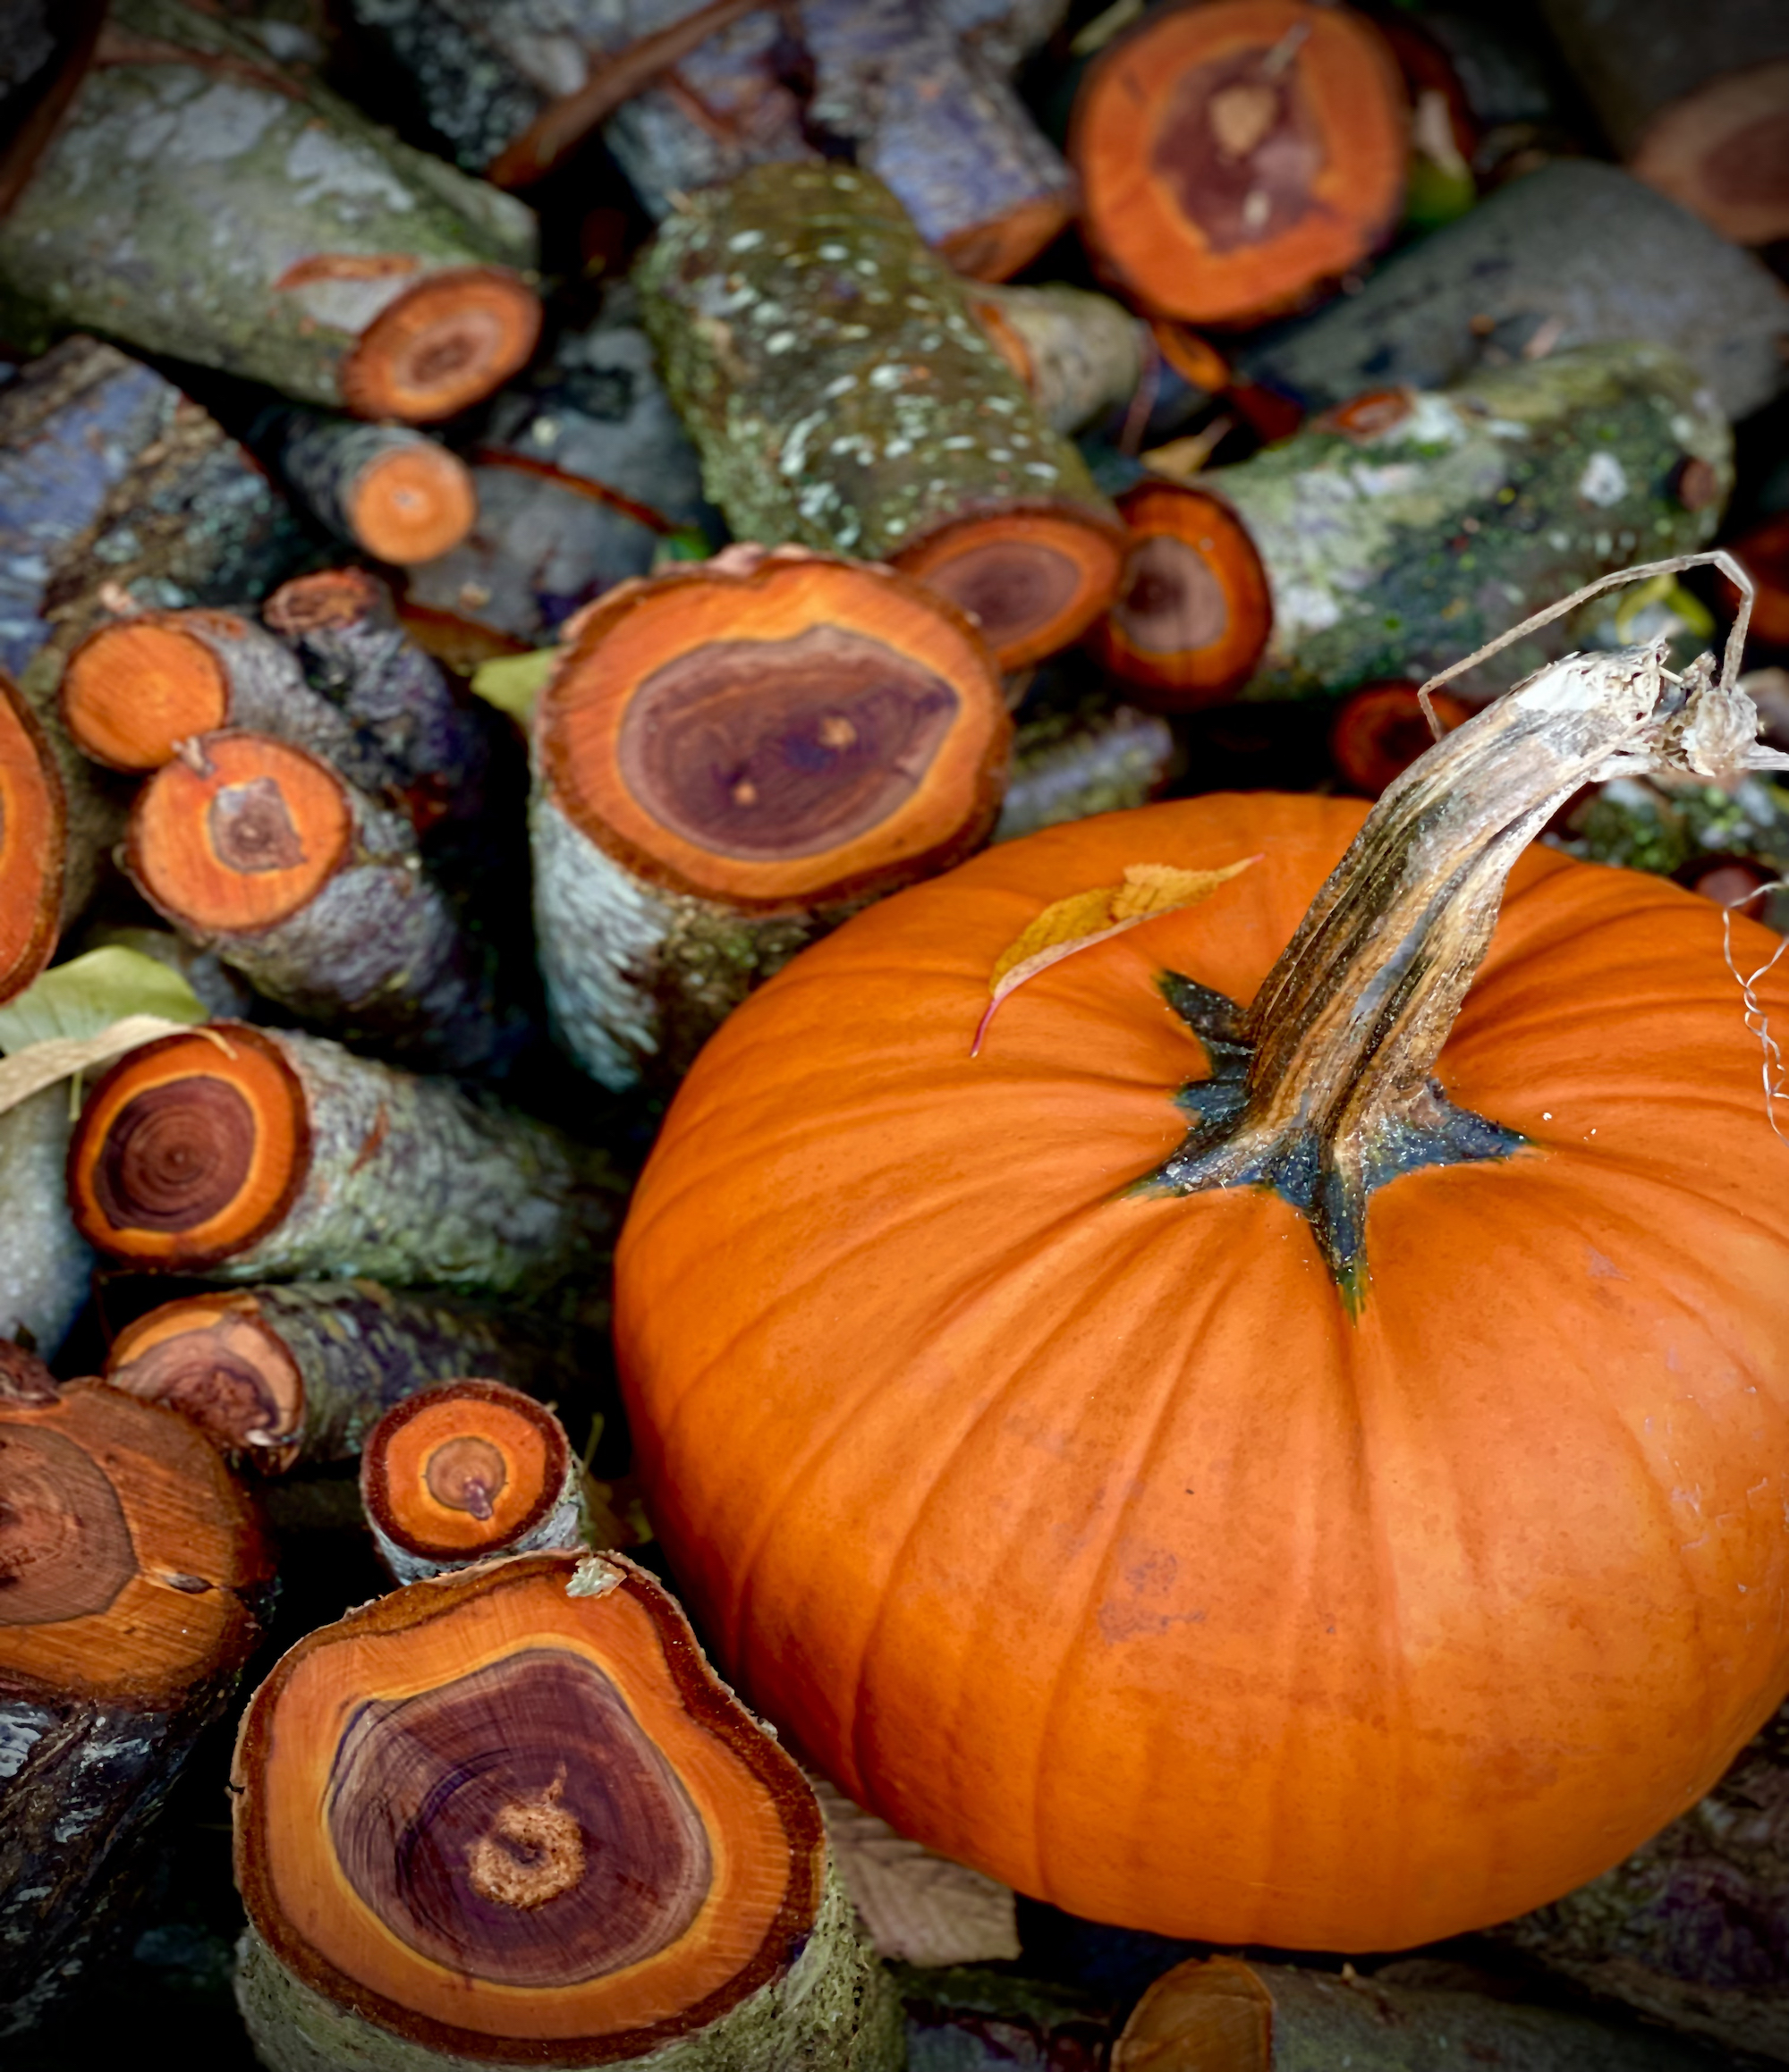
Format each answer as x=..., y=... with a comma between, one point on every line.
x=1324, y=1089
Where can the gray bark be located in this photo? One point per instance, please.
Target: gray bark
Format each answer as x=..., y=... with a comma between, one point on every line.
x=1085, y=353
x=218, y=180
x=1577, y=253
x=411, y=1181
x=45, y=1270
x=1067, y=766
x=108, y=475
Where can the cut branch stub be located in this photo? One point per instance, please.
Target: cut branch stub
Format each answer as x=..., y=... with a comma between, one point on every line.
x=510, y=1816
x=467, y=1471
x=254, y=1155
x=33, y=836
x=1380, y=729
x=301, y=1374
x=729, y=762
x=387, y=489
x=1236, y=155
x=315, y=893
x=132, y=1572
x=898, y=431
x=1193, y=611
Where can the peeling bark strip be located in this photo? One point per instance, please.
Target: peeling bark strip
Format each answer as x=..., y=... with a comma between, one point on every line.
x=45, y=1269
x=1237, y=154
x=135, y=1572
x=1405, y=528
x=250, y=204
x=1695, y=99
x=390, y=491
x=1224, y=2015
x=250, y=1155
x=110, y=477
x=315, y=893
x=1693, y=1928
x=582, y=1850
x=466, y=1472
x=1577, y=253
x=842, y=394
x=344, y=629
x=134, y=691
x=583, y=469
x=728, y=762
x=299, y=1374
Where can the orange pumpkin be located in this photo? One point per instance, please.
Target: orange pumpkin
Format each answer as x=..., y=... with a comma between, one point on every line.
x=1145, y=1548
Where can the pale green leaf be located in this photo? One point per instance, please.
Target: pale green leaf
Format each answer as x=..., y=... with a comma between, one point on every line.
x=75, y=1001
x=512, y=682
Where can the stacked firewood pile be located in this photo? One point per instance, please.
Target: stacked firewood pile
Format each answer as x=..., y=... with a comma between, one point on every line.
x=517, y=521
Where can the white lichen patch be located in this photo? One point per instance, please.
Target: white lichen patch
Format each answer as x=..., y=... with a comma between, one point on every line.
x=1603, y=481
x=320, y=166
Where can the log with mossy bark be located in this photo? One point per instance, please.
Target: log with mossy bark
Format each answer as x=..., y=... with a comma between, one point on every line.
x=1223, y=2014
x=114, y=486
x=1691, y=1928
x=731, y=759
x=1576, y=253
x=437, y=742
x=136, y=1577
x=270, y=228
x=1405, y=528
x=249, y=1155
x=842, y=394
x=965, y=2018
x=1236, y=156
x=296, y=1375
x=45, y=1270
x=1099, y=758
x=471, y=1471
x=135, y=690
x=1695, y=100
x=317, y=894
x=510, y=1815
x=389, y=490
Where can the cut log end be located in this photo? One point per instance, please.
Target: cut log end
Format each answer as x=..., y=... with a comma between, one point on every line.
x=996, y=249
x=189, y=1150
x=1723, y=151
x=410, y=503
x=331, y=598
x=512, y=1816
x=776, y=736
x=124, y=1548
x=1032, y=580
x=211, y=1358
x=1380, y=729
x=1216, y=2014
x=1236, y=155
x=33, y=838
x=445, y=345
x=464, y=1470
x=132, y=690
x=1193, y=612
x=238, y=832
x=1764, y=553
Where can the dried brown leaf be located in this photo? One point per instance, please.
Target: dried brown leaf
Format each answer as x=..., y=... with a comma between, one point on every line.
x=1081, y=920
x=918, y=1906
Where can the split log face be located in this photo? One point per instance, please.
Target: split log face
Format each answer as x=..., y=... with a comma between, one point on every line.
x=190, y=1150
x=512, y=1816
x=126, y=1546
x=466, y=1471
x=213, y=1359
x=242, y=838
x=806, y=732
x=1193, y=611
x=132, y=1569
x=33, y=836
x=1236, y=154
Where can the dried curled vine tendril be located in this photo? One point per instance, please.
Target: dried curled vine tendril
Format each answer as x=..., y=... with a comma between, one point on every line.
x=1757, y=1016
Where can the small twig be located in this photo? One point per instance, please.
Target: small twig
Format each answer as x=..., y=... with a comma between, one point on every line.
x=1716, y=557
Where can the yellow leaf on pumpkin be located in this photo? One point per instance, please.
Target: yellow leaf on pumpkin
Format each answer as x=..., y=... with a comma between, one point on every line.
x=1084, y=919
